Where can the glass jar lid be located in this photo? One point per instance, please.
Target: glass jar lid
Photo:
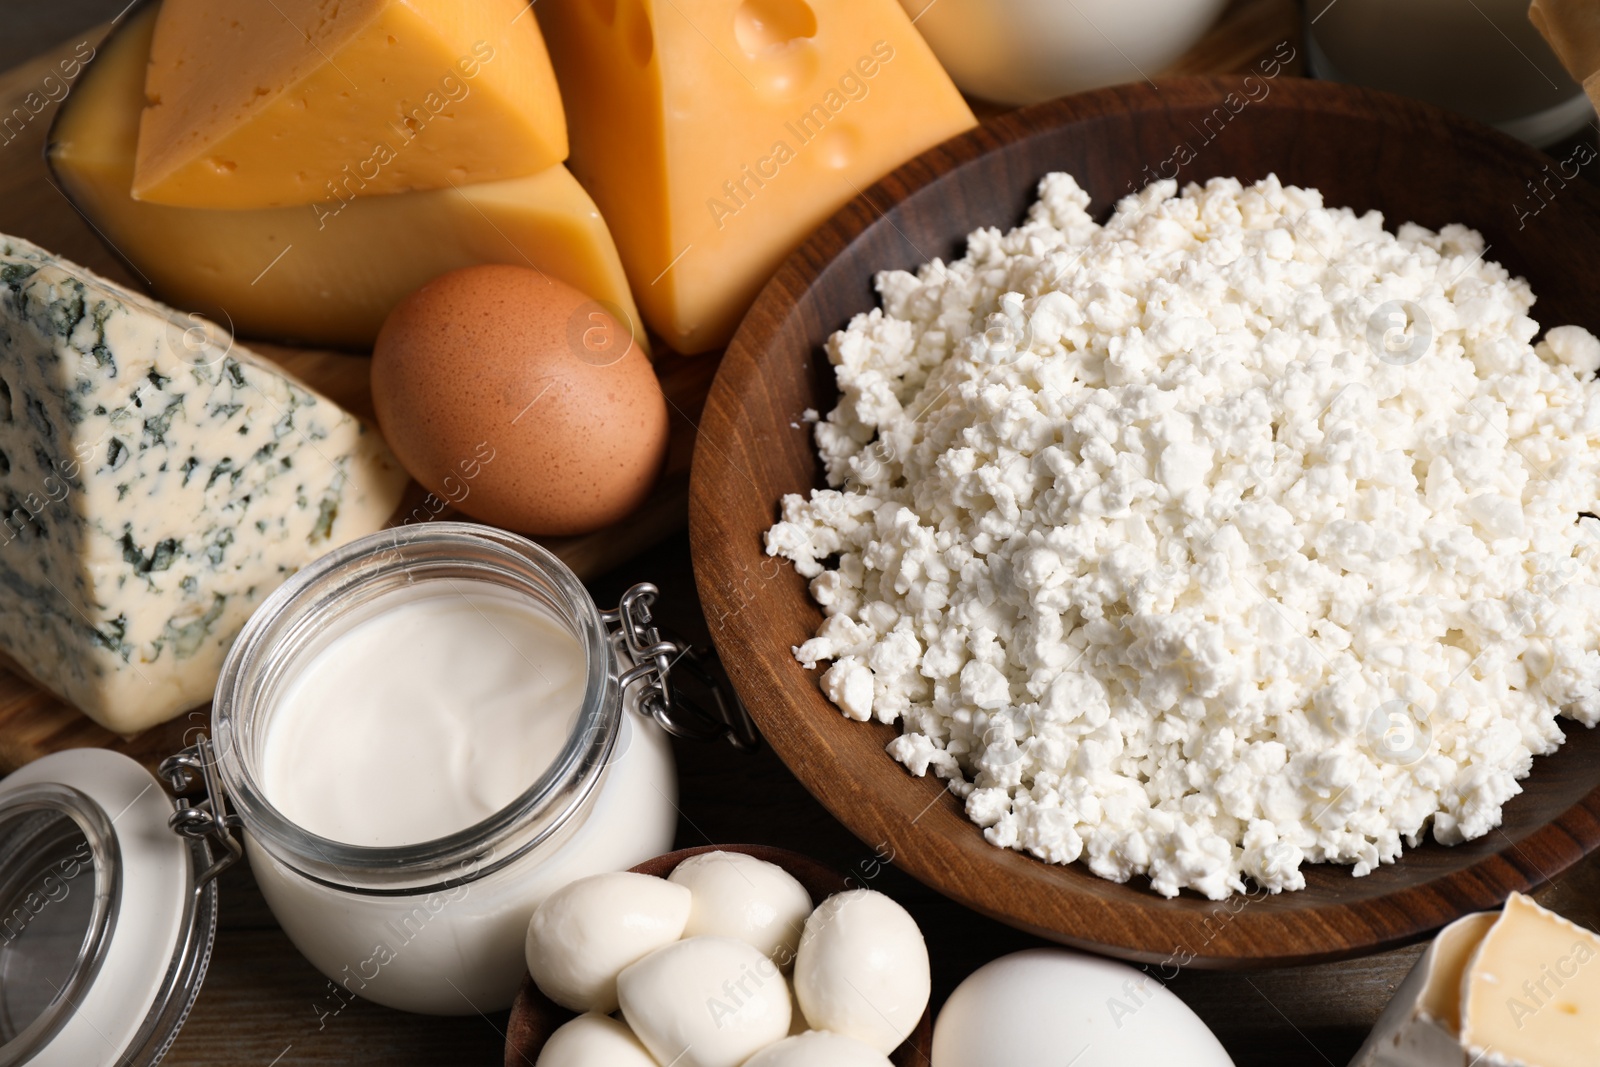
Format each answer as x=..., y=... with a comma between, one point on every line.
x=104, y=932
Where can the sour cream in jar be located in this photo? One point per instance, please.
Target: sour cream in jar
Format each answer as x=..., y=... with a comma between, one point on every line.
x=425, y=718
x=424, y=735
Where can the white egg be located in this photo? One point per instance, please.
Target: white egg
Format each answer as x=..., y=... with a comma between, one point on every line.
x=818, y=1048
x=736, y=895
x=594, y=1041
x=862, y=969
x=585, y=933
x=1051, y=1005
x=705, y=1002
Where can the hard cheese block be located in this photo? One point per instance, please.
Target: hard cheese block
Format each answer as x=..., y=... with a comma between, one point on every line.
x=157, y=482
x=319, y=274
x=1573, y=29
x=716, y=134
x=1515, y=988
x=263, y=103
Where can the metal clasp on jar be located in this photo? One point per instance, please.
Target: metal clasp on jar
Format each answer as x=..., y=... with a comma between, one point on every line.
x=685, y=690
x=190, y=777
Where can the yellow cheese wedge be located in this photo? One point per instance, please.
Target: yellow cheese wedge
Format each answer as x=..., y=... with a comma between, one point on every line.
x=1572, y=27
x=264, y=103
x=716, y=134
x=1531, y=994
x=320, y=274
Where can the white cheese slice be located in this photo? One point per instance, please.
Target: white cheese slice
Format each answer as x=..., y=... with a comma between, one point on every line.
x=1513, y=988
x=157, y=481
x=1531, y=996
x=1422, y=1024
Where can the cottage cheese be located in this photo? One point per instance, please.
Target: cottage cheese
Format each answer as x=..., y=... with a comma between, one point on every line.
x=1233, y=534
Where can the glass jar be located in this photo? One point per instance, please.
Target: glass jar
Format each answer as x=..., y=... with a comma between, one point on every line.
x=438, y=926
x=108, y=898
x=1482, y=58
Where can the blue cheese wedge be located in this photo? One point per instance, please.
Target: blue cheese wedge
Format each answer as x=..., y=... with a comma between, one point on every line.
x=157, y=482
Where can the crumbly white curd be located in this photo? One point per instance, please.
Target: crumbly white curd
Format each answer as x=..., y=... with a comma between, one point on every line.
x=1230, y=535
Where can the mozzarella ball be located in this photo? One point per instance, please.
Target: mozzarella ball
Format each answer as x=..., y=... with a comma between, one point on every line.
x=736, y=895
x=818, y=1048
x=797, y=1018
x=594, y=1041
x=585, y=933
x=1049, y=1005
x=705, y=1002
x=862, y=969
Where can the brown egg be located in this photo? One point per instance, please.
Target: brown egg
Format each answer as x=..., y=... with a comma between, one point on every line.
x=520, y=400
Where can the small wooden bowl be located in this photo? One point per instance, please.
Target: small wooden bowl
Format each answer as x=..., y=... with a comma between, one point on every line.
x=1365, y=150
x=534, y=1017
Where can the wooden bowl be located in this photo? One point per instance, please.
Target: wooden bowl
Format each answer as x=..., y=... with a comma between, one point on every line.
x=1364, y=150
x=534, y=1016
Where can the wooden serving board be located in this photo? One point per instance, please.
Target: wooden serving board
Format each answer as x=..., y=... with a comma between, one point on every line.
x=33, y=723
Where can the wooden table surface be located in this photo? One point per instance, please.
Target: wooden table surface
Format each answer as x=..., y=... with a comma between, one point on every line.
x=262, y=1003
